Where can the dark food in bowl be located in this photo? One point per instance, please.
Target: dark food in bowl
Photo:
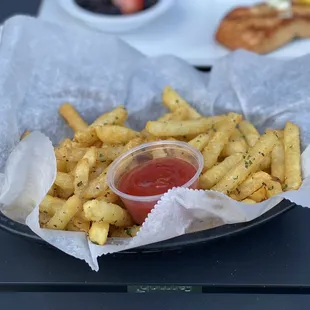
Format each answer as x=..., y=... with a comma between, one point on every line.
x=115, y=7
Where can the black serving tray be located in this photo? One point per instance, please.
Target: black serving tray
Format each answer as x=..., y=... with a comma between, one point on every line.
x=172, y=244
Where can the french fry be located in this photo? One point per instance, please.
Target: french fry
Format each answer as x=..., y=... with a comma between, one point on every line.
x=88, y=136
x=52, y=191
x=81, y=224
x=250, y=185
x=132, y=143
x=50, y=205
x=278, y=161
x=102, y=211
x=109, y=196
x=266, y=162
x=217, y=172
x=259, y=195
x=180, y=114
x=110, y=152
x=70, y=154
x=61, y=165
x=235, y=117
x=63, y=215
x=98, y=233
x=98, y=169
x=72, y=117
x=249, y=132
x=216, y=144
x=292, y=157
x=81, y=176
x=120, y=232
x=64, y=193
x=237, y=136
x=25, y=134
x=116, y=117
x=234, y=147
x=43, y=218
x=64, y=181
x=248, y=165
x=71, y=165
x=272, y=188
x=172, y=100
x=71, y=227
x=116, y=134
x=179, y=128
x=96, y=186
x=249, y=201
x=200, y=142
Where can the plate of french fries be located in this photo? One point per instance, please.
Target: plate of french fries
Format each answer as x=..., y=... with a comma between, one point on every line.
x=67, y=118
x=238, y=161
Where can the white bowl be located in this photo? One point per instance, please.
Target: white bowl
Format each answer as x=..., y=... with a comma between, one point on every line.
x=116, y=23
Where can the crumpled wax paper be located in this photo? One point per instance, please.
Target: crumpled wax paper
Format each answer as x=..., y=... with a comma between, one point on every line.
x=43, y=66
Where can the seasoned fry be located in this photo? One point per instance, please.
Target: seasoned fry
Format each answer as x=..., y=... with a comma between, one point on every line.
x=61, y=165
x=63, y=215
x=98, y=233
x=70, y=154
x=98, y=169
x=259, y=195
x=109, y=196
x=172, y=100
x=200, y=142
x=266, y=162
x=116, y=117
x=88, y=136
x=64, y=181
x=278, y=161
x=72, y=117
x=250, y=185
x=120, y=232
x=237, y=136
x=217, y=172
x=50, y=205
x=216, y=144
x=248, y=165
x=234, y=147
x=96, y=186
x=116, y=134
x=179, y=128
x=81, y=224
x=72, y=227
x=292, y=157
x=43, y=218
x=180, y=114
x=110, y=152
x=272, y=188
x=64, y=193
x=71, y=165
x=249, y=132
x=53, y=190
x=235, y=117
x=81, y=176
x=102, y=211
x=249, y=201
x=133, y=143
x=25, y=134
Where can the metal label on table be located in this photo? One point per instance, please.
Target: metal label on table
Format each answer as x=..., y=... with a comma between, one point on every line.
x=164, y=288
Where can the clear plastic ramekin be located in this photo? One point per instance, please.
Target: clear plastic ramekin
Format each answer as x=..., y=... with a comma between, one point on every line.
x=140, y=206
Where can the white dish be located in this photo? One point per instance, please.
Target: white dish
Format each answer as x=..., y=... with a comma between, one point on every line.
x=116, y=23
x=186, y=31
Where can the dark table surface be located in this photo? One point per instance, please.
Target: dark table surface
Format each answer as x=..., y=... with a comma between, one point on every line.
x=265, y=268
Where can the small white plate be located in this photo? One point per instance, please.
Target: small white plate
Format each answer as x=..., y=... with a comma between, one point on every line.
x=186, y=31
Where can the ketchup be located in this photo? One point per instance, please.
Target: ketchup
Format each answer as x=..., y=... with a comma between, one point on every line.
x=152, y=178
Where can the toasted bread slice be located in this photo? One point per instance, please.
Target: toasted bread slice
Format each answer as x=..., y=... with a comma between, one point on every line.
x=262, y=29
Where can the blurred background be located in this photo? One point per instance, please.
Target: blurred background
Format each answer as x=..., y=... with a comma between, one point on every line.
x=187, y=29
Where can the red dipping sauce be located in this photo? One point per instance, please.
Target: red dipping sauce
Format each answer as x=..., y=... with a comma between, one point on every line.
x=156, y=177
x=143, y=174
x=152, y=178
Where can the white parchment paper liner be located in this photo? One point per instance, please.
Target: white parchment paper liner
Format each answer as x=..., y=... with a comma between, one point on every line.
x=43, y=65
